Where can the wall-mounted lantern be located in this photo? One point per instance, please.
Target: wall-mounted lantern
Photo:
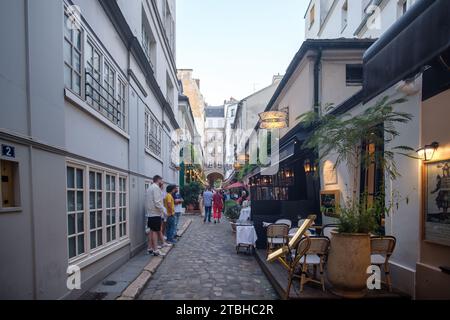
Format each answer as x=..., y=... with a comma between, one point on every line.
x=273, y=120
x=309, y=166
x=426, y=153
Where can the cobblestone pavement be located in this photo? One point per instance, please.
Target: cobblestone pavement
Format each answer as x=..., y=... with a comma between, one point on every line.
x=204, y=266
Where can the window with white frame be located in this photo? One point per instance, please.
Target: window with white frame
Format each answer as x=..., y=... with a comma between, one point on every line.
x=95, y=209
x=93, y=76
x=75, y=211
x=109, y=90
x=99, y=84
x=122, y=207
x=73, y=39
x=122, y=97
x=99, y=219
x=153, y=133
x=148, y=40
x=325, y=7
x=169, y=25
x=110, y=208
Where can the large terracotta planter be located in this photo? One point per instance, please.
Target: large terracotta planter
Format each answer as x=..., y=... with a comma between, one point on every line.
x=348, y=260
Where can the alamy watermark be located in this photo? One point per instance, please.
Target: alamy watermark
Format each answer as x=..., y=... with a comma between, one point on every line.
x=374, y=280
x=74, y=278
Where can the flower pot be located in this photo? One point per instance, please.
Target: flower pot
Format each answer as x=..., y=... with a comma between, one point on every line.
x=348, y=260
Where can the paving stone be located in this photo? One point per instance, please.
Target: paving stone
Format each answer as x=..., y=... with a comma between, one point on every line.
x=203, y=265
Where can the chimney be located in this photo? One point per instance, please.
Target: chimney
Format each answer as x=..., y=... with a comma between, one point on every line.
x=277, y=78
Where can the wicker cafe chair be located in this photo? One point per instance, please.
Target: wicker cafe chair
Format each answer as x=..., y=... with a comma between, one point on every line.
x=316, y=256
x=277, y=236
x=284, y=221
x=326, y=230
x=382, y=248
x=302, y=247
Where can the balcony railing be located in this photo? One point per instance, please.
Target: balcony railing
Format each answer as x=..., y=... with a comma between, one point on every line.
x=103, y=101
x=154, y=144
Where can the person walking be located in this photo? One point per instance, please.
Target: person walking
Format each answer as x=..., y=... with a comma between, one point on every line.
x=169, y=203
x=178, y=209
x=164, y=216
x=218, y=206
x=207, y=202
x=154, y=210
x=242, y=198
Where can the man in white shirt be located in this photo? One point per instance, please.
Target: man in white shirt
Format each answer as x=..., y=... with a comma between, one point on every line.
x=154, y=211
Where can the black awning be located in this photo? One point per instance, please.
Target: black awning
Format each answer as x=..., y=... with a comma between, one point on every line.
x=420, y=35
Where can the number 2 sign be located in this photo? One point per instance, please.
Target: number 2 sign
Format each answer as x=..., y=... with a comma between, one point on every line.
x=8, y=151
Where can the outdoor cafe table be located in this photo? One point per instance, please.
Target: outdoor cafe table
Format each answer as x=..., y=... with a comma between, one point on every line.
x=245, y=235
x=317, y=230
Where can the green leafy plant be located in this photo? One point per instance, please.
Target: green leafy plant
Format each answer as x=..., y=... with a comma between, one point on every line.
x=358, y=217
x=190, y=193
x=342, y=136
x=246, y=169
x=232, y=210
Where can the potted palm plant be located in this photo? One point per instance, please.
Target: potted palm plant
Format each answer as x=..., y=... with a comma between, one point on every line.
x=341, y=137
x=190, y=193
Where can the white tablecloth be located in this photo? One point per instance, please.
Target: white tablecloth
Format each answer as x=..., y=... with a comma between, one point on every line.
x=245, y=214
x=246, y=235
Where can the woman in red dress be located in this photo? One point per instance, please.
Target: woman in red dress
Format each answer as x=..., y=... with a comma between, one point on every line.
x=217, y=206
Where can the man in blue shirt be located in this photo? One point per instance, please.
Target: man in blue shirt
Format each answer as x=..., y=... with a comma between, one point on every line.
x=207, y=201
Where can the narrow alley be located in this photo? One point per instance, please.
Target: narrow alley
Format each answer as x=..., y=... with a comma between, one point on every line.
x=204, y=266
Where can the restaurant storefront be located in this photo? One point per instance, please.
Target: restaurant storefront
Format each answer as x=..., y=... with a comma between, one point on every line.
x=291, y=192
x=413, y=60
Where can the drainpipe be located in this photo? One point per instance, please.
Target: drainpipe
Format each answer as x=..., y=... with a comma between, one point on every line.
x=317, y=67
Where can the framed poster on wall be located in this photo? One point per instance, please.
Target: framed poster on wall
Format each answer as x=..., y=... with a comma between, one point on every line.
x=329, y=202
x=437, y=202
x=329, y=173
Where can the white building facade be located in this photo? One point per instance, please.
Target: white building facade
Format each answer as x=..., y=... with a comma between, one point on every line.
x=420, y=79
x=214, y=142
x=331, y=19
x=89, y=104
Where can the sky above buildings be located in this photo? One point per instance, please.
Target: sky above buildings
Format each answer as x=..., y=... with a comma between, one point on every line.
x=236, y=46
